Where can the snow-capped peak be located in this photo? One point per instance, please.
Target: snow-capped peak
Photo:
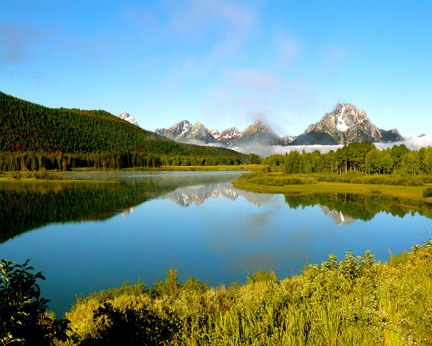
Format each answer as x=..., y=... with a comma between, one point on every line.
x=129, y=118
x=215, y=133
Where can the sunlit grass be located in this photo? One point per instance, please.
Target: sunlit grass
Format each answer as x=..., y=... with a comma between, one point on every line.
x=354, y=301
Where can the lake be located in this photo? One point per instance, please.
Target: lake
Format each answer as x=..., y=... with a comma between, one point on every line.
x=93, y=236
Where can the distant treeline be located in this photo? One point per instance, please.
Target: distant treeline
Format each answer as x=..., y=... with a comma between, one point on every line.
x=356, y=157
x=34, y=161
x=34, y=136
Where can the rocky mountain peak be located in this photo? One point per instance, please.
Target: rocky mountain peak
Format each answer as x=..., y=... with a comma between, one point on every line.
x=345, y=124
x=231, y=132
x=126, y=116
x=215, y=133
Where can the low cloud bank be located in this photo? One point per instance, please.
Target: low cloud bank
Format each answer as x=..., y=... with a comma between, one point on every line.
x=197, y=142
x=265, y=150
x=411, y=143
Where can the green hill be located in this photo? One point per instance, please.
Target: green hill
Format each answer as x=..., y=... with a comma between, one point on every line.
x=32, y=135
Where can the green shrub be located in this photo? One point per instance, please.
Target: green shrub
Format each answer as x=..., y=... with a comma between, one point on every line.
x=23, y=314
x=261, y=276
x=427, y=192
x=42, y=174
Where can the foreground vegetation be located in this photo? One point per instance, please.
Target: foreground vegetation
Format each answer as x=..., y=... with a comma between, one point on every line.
x=354, y=301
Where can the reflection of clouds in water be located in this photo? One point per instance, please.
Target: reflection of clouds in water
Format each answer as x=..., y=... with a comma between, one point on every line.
x=260, y=241
x=249, y=229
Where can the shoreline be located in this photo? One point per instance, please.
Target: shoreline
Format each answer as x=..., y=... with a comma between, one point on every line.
x=397, y=191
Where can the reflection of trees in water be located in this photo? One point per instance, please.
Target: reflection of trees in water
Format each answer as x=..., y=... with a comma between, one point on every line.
x=363, y=207
x=26, y=206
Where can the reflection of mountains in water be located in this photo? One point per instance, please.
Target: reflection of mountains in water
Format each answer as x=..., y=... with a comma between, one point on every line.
x=337, y=216
x=185, y=196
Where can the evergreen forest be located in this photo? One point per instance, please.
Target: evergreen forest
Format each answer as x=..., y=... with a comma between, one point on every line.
x=34, y=137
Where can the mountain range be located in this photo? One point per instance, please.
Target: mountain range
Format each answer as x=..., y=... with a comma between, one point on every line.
x=345, y=124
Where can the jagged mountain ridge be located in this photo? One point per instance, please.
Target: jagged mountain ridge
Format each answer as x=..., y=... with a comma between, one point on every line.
x=184, y=131
x=344, y=125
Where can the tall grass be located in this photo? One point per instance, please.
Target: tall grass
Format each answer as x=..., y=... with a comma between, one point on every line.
x=354, y=301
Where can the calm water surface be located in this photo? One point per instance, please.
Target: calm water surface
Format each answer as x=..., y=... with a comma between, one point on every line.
x=94, y=236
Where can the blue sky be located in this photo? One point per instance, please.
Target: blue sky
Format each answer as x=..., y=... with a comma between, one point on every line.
x=223, y=63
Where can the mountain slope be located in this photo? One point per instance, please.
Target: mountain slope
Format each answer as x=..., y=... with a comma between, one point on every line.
x=258, y=132
x=26, y=126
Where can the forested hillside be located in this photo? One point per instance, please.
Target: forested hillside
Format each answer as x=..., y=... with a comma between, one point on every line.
x=34, y=136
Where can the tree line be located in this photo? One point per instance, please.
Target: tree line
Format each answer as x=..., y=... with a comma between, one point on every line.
x=35, y=161
x=356, y=157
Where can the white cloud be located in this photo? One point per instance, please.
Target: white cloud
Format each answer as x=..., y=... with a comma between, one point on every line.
x=411, y=143
x=267, y=150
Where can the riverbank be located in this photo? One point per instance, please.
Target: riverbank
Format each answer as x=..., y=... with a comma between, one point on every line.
x=276, y=182
x=354, y=301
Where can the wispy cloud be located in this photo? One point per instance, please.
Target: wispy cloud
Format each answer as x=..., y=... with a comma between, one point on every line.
x=287, y=48
x=192, y=15
x=18, y=44
x=332, y=56
x=257, y=79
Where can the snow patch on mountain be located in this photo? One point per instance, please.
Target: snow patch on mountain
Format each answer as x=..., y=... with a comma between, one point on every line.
x=341, y=125
x=129, y=118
